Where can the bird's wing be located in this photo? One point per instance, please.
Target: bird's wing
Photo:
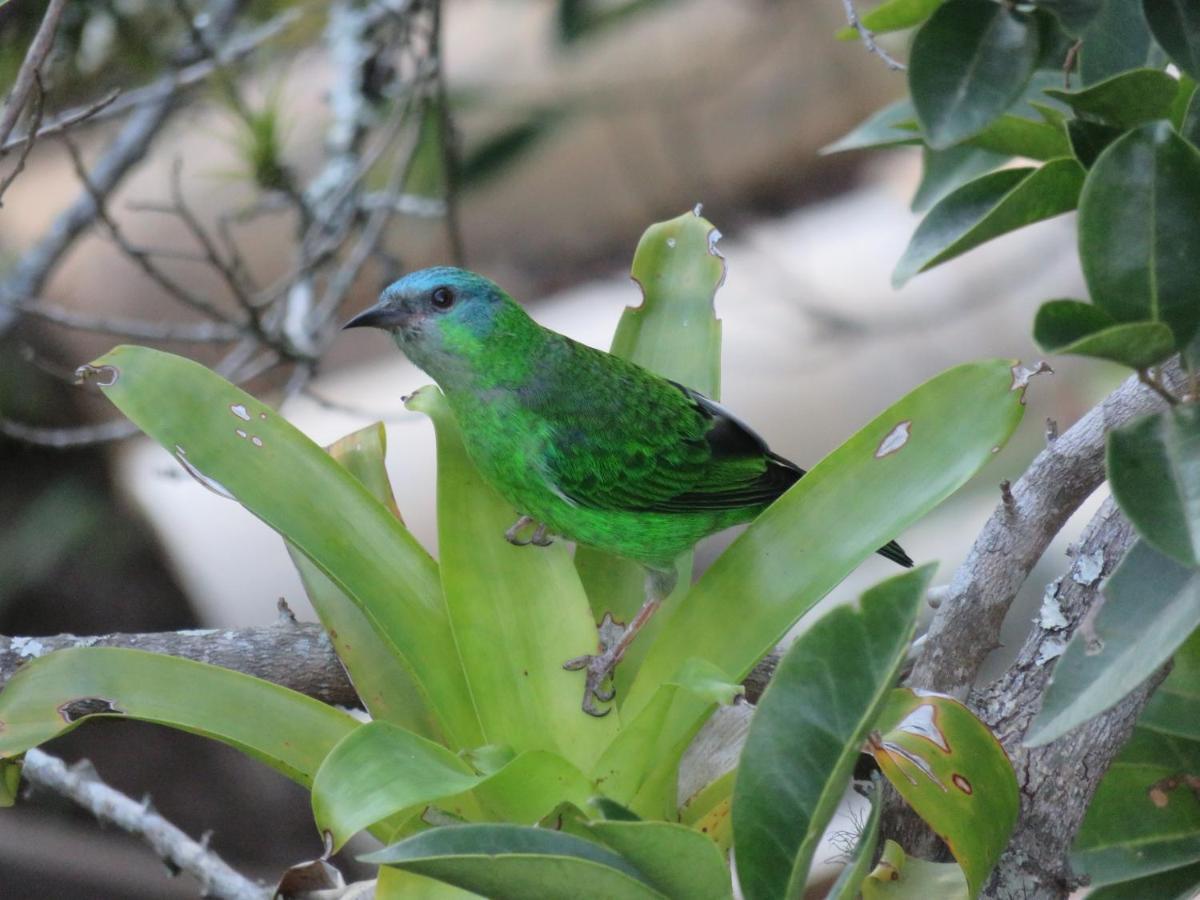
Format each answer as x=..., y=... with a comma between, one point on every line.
x=673, y=450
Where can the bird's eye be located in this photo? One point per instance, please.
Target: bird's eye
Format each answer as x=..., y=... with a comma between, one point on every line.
x=442, y=298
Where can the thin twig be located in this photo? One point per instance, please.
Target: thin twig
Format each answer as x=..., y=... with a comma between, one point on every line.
x=868, y=38
x=81, y=784
x=27, y=75
x=1146, y=377
x=139, y=329
x=448, y=142
x=39, y=105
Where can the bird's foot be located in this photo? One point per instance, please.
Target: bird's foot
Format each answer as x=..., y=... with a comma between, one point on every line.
x=599, y=667
x=539, y=538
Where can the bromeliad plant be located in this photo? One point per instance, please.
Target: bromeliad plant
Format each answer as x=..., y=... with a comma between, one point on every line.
x=474, y=722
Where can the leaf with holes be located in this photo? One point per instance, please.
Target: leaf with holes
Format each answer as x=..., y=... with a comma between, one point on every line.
x=953, y=772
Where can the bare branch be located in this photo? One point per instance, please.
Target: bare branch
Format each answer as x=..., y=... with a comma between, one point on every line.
x=967, y=624
x=38, y=108
x=868, y=38
x=28, y=74
x=69, y=436
x=139, y=329
x=448, y=138
x=81, y=784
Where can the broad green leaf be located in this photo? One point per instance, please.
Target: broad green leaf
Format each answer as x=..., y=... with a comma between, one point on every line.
x=1174, y=884
x=1154, y=472
x=377, y=771
x=1138, y=824
x=902, y=877
x=509, y=862
x=892, y=15
x=1070, y=326
x=866, y=492
x=1183, y=99
x=517, y=612
x=1124, y=100
x=676, y=860
x=397, y=884
x=710, y=811
x=647, y=741
x=48, y=696
x=969, y=63
x=944, y=171
x=808, y=731
x=381, y=769
x=1089, y=139
x=949, y=767
x=1151, y=604
x=240, y=447
x=1175, y=24
x=1175, y=707
x=385, y=684
x=1116, y=40
x=849, y=882
x=1013, y=135
x=674, y=333
x=886, y=128
x=987, y=208
x=10, y=782
x=1075, y=15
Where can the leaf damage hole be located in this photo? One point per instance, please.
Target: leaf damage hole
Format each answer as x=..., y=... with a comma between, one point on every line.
x=922, y=722
x=1160, y=792
x=962, y=784
x=239, y=410
x=103, y=376
x=74, y=710
x=895, y=439
x=1021, y=376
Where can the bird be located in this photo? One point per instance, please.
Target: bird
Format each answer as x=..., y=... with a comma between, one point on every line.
x=583, y=444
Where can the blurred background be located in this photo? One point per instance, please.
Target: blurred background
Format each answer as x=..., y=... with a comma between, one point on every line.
x=293, y=158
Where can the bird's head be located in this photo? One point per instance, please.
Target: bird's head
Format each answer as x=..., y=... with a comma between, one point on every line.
x=441, y=318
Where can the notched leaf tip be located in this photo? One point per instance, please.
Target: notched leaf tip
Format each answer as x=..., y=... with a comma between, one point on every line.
x=74, y=710
x=103, y=376
x=1021, y=375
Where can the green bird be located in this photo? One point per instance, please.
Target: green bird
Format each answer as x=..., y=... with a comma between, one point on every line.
x=583, y=444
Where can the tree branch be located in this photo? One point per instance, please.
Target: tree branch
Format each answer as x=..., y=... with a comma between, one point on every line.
x=81, y=784
x=966, y=626
x=32, y=65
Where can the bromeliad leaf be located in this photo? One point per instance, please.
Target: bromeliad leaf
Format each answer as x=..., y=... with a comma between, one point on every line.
x=1071, y=326
x=902, y=877
x=1154, y=472
x=1151, y=605
x=509, y=862
x=239, y=446
x=970, y=62
x=809, y=728
x=953, y=772
x=987, y=208
x=48, y=696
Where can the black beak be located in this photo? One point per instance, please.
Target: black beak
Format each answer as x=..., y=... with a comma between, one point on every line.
x=377, y=316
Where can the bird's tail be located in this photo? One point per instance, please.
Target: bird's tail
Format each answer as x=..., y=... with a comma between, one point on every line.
x=896, y=554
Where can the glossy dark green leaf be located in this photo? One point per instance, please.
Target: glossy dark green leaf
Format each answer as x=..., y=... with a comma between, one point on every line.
x=1175, y=707
x=902, y=877
x=676, y=860
x=1117, y=40
x=1070, y=326
x=970, y=61
x=1183, y=99
x=1151, y=605
x=881, y=129
x=987, y=208
x=944, y=171
x=1089, y=139
x=953, y=772
x=509, y=862
x=1139, y=230
x=1014, y=135
x=1189, y=125
x=1175, y=24
x=52, y=694
x=1174, y=884
x=892, y=15
x=1154, y=472
x=1124, y=100
x=808, y=731
x=1140, y=821
x=239, y=447
x=1075, y=15
x=849, y=881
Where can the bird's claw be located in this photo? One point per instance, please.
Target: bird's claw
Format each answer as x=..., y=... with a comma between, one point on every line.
x=539, y=538
x=598, y=669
